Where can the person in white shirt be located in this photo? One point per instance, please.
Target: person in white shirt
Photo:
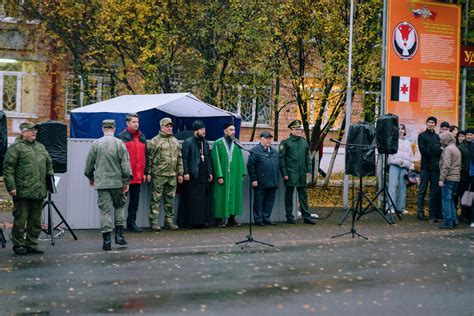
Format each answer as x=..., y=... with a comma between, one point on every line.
x=400, y=163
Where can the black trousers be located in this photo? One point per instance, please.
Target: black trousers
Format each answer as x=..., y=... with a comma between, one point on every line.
x=134, y=197
x=431, y=178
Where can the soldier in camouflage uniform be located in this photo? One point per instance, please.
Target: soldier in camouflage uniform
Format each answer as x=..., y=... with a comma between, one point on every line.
x=25, y=168
x=165, y=166
x=108, y=170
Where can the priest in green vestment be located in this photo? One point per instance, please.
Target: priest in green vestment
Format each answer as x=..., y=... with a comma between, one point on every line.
x=229, y=170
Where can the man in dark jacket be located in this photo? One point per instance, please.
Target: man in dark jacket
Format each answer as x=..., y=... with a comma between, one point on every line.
x=195, y=201
x=295, y=166
x=263, y=170
x=26, y=166
x=430, y=149
x=135, y=142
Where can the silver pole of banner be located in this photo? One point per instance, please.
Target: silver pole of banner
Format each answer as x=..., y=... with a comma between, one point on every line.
x=348, y=103
x=383, y=108
x=383, y=96
x=464, y=71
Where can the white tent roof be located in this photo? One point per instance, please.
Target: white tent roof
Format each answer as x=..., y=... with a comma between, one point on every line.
x=176, y=104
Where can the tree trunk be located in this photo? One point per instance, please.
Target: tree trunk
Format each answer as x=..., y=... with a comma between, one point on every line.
x=334, y=155
x=276, y=111
x=255, y=119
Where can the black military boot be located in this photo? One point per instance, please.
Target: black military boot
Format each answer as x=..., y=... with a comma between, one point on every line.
x=107, y=245
x=119, y=239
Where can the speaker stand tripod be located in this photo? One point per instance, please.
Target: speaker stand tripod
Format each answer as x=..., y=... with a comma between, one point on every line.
x=51, y=227
x=358, y=210
x=386, y=197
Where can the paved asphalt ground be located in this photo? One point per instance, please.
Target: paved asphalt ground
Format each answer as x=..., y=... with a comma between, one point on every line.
x=409, y=268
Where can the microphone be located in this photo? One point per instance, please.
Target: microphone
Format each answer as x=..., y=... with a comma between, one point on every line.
x=235, y=141
x=335, y=140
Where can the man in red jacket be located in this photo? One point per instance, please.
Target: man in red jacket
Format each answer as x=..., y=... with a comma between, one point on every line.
x=135, y=142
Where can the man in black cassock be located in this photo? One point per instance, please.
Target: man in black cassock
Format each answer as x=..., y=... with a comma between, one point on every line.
x=195, y=203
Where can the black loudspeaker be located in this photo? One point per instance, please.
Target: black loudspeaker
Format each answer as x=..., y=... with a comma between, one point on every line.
x=360, y=150
x=53, y=135
x=387, y=134
x=3, y=139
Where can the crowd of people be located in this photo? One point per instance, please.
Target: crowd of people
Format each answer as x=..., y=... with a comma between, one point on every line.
x=211, y=180
x=446, y=168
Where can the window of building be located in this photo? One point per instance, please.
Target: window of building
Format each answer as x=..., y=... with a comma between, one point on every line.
x=250, y=103
x=9, y=9
x=18, y=85
x=12, y=11
x=100, y=89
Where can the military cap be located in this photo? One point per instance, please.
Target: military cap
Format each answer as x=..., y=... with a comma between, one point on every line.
x=295, y=124
x=27, y=125
x=166, y=121
x=266, y=134
x=108, y=124
x=198, y=125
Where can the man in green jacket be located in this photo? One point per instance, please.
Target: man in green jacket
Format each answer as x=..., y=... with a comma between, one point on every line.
x=26, y=166
x=108, y=170
x=295, y=166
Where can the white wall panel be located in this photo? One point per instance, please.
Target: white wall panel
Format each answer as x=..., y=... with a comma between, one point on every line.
x=77, y=200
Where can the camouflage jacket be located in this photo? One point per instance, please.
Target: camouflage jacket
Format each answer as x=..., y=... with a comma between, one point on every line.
x=164, y=156
x=108, y=164
x=25, y=168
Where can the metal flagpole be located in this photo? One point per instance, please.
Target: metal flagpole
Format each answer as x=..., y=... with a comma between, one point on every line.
x=383, y=107
x=348, y=103
x=464, y=72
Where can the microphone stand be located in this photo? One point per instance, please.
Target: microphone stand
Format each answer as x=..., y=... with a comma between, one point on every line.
x=249, y=238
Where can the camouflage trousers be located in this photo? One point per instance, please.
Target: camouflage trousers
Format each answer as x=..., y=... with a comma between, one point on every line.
x=111, y=203
x=27, y=217
x=162, y=187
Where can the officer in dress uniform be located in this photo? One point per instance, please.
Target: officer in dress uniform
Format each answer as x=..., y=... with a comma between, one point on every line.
x=295, y=166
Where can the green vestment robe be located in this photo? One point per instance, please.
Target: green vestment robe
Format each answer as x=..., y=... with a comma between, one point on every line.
x=227, y=163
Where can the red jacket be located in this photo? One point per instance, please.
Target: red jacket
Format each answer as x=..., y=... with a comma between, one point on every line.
x=135, y=142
